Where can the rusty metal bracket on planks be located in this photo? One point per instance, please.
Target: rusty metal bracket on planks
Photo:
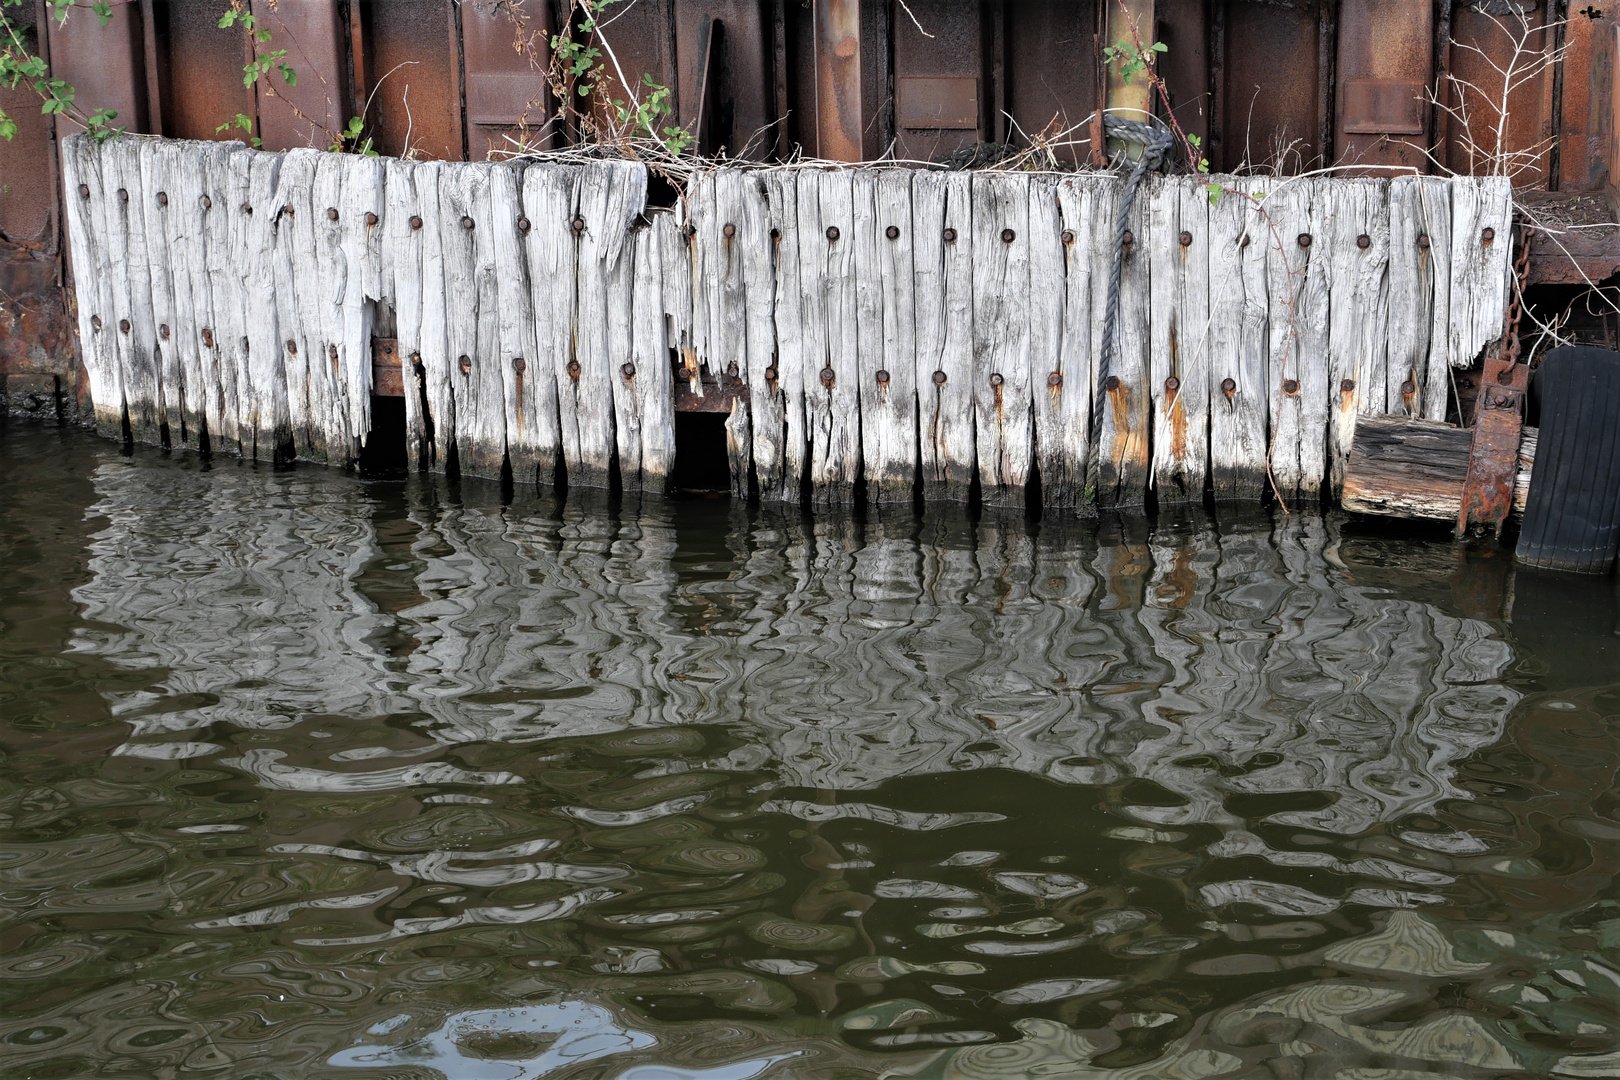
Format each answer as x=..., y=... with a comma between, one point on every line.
x=1498, y=422
x=719, y=392
x=387, y=377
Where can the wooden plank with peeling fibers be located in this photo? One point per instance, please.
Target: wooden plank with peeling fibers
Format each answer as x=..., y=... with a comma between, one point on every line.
x=472, y=303
x=1239, y=382
x=550, y=204
x=831, y=375
x=1180, y=336
x=133, y=330
x=942, y=215
x=1121, y=466
x=1062, y=388
x=1001, y=337
x=1298, y=273
x=85, y=215
x=886, y=333
x=1358, y=324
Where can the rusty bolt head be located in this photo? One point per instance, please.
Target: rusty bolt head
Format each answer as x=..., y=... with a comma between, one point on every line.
x=628, y=370
x=996, y=379
x=123, y=325
x=731, y=369
x=123, y=195
x=289, y=210
x=1068, y=236
x=688, y=230
x=892, y=232
x=1008, y=236
x=949, y=236
x=1228, y=387
x=331, y=213
x=523, y=225
x=1111, y=383
x=416, y=362
x=832, y=232
x=416, y=223
x=573, y=370
x=1290, y=386
x=95, y=323
x=163, y=198
x=208, y=338
x=1408, y=388
x=207, y=203
x=331, y=353
x=1129, y=238
x=292, y=347
x=939, y=378
x=579, y=225
x=1487, y=235
x=371, y=218
x=247, y=208
x=84, y=191
x=519, y=364
x=770, y=373
x=1185, y=238
x=1347, y=386
x=163, y=331
x=827, y=377
x=1172, y=384
x=1244, y=242
x=1055, y=379
x=1423, y=241
x=776, y=234
x=467, y=223
x=1304, y=239
x=464, y=363
x=729, y=230
x=1363, y=241
x=883, y=377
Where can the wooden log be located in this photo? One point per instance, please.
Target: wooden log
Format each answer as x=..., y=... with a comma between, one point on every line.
x=133, y=329
x=1061, y=382
x=942, y=216
x=224, y=365
x=263, y=417
x=1481, y=249
x=361, y=224
x=1416, y=468
x=1239, y=386
x=1357, y=239
x=1298, y=211
x=1415, y=287
x=720, y=298
x=531, y=442
x=644, y=417
x=402, y=272
x=85, y=215
x=175, y=193
x=611, y=195
x=1121, y=464
x=1179, y=329
x=766, y=407
x=550, y=203
x=324, y=313
x=886, y=333
x=160, y=285
x=472, y=306
x=298, y=304
x=787, y=319
x=827, y=285
x=1436, y=205
x=1001, y=328
x=437, y=370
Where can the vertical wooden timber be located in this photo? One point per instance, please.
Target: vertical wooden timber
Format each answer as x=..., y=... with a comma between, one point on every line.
x=886, y=333
x=402, y=272
x=1437, y=221
x=438, y=370
x=1298, y=270
x=643, y=406
x=623, y=377
x=361, y=224
x=827, y=284
x=1001, y=294
x=611, y=195
x=942, y=217
x=1063, y=392
x=720, y=293
x=1179, y=352
x=1047, y=292
x=324, y=317
x=160, y=282
x=299, y=305
x=1358, y=324
x=1481, y=248
x=1239, y=382
x=767, y=419
x=87, y=230
x=549, y=201
x=173, y=193
x=225, y=361
x=530, y=439
x=133, y=330
x=1121, y=464
x=1418, y=281
x=472, y=304
x=263, y=417
x=788, y=382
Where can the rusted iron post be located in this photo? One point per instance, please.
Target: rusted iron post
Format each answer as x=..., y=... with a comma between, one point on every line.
x=1385, y=54
x=1129, y=22
x=105, y=65
x=838, y=79
x=1498, y=422
x=315, y=109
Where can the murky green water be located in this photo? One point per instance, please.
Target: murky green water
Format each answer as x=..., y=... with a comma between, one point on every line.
x=311, y=777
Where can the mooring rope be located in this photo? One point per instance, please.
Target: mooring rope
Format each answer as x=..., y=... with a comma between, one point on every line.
x=1155, y=141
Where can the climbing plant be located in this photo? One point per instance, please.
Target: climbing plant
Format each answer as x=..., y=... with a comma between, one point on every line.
x=20, y=64
x=580, y=59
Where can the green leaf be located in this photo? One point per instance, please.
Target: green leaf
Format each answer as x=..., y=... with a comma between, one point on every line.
x=1215, y=192
x=8, y=127
x=103, y=11
x=227, y=20
x=1159, y=47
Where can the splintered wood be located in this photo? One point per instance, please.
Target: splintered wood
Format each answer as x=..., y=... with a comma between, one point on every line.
x=894, y=333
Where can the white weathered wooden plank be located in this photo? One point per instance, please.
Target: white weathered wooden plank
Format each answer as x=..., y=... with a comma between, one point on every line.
x=1298, y=211
x=1239, y=381
x=323, y=317
x=263, y=417
x=224, y=362
x=437, y=370
x=1001, y=336
x=1357, y=238
x=85, y=213
x=1436, y=386
x=1121, y=401
x=1411, y=299
x=1481, y=250
x=530, y=434
x=165, y=357
x=702, y=219
x=134, y=331
x=621, y=350
x=766, y=407
x=942, y=218
x=176, y=194
x=611, y=195
x=678, y=303
x=1062, y=390
x=1180, y=328
x=886, y=333
x=720, y=290
x=361, y=222
x=785, y=377
x=644, y=417
x=549, y=203
x=299, y=305
x=472, y=312
x=1048, y=287
x=402, y=269
x=832, y=383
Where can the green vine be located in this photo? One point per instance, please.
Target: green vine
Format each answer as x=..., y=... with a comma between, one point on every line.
x=578, y=70
x=19, y=64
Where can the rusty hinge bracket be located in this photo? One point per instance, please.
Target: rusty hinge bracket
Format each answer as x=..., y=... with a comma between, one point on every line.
x=1493, y=459
x=387, y=378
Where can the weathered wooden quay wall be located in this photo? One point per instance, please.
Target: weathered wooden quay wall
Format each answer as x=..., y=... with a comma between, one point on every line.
x=891, y=326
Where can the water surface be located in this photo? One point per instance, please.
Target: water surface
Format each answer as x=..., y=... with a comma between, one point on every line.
x=309, y=776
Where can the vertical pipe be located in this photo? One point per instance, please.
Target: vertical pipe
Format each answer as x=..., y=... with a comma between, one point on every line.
x=1440, y=127
x=1555, y=109
x=1217, y=85
x=1327, y=60
x=154, y=104
x=1129, y=22
x=779, y=58
x=838, y=79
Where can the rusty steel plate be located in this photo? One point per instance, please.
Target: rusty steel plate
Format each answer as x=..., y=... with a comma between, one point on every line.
x=387, y=377
x=1494, y=456
x=718, y=393
x=937, y=103
x=1383, y=106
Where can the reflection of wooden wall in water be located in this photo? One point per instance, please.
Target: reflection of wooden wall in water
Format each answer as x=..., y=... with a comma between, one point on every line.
x=885, y=325
x=1212, y=662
